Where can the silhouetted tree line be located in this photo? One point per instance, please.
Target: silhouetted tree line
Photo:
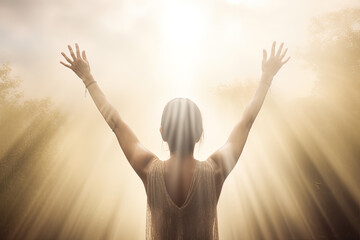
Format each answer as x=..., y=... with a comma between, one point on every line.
x=27, y=130
x=334, y=55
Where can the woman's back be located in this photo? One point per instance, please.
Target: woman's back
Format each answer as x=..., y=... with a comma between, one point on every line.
x=195, y=219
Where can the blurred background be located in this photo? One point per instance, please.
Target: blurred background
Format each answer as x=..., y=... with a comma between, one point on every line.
x=63, y=174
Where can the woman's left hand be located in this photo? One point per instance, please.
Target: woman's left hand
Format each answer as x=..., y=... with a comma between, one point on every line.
x=271, y=65
x=79, y=64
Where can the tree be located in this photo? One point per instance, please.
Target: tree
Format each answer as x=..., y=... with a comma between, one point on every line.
x=27, y=132
x=334, y=54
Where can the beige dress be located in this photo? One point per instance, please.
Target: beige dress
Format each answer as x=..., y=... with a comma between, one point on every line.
x=196, y=219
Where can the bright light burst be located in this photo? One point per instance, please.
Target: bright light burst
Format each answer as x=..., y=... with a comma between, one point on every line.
x=251, y=3
x=183, y=25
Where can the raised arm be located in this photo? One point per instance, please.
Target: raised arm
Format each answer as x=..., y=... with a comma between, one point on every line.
x=138, y=156
x=225, y=158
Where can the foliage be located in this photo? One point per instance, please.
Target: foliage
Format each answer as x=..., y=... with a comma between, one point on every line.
x=27, y=132
x=334, y=52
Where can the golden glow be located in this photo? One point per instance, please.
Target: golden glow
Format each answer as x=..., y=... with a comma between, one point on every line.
x=249, y=2
x=182, y=27
x=301, y=159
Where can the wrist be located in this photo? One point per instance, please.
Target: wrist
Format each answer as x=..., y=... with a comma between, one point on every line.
x=87, y=78
x=266, y=78
x=89, y=83
x=266, y=84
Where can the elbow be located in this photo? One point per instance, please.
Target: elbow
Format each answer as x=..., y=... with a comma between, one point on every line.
x=114, y=121
x=113, y=126
x=247, y=120
x=247, y=123
x=250, y=123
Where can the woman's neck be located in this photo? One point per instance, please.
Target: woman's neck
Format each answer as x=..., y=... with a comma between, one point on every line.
x=181, y=158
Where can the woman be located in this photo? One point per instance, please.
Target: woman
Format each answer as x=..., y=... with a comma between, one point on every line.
x=182, y=192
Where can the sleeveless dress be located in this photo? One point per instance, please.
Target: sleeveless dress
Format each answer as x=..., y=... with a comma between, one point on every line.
x=196, y=219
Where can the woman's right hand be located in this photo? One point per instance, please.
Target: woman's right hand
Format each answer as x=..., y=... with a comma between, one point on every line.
x=271, y=65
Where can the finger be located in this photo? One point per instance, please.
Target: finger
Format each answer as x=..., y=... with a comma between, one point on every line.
x=273, y=49
x=280, y=48
x=285, y=61
x=84, y=55
x=283, y=55
x=71, y=52
x=264, y=55
x=77, y=50
x=66, y=57
x=66, y=65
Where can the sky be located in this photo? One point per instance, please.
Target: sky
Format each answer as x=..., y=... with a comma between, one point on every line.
x=179, y=47
x=144, y=53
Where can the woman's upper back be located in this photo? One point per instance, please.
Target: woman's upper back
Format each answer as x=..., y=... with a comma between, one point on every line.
x=196, y=218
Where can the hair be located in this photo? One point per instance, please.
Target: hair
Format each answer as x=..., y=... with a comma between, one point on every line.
x=181, y=125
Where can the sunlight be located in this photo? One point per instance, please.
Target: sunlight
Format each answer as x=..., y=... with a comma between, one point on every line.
x=64, y=173
x=120, y=18
x=251, y=3
x=182, y=29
